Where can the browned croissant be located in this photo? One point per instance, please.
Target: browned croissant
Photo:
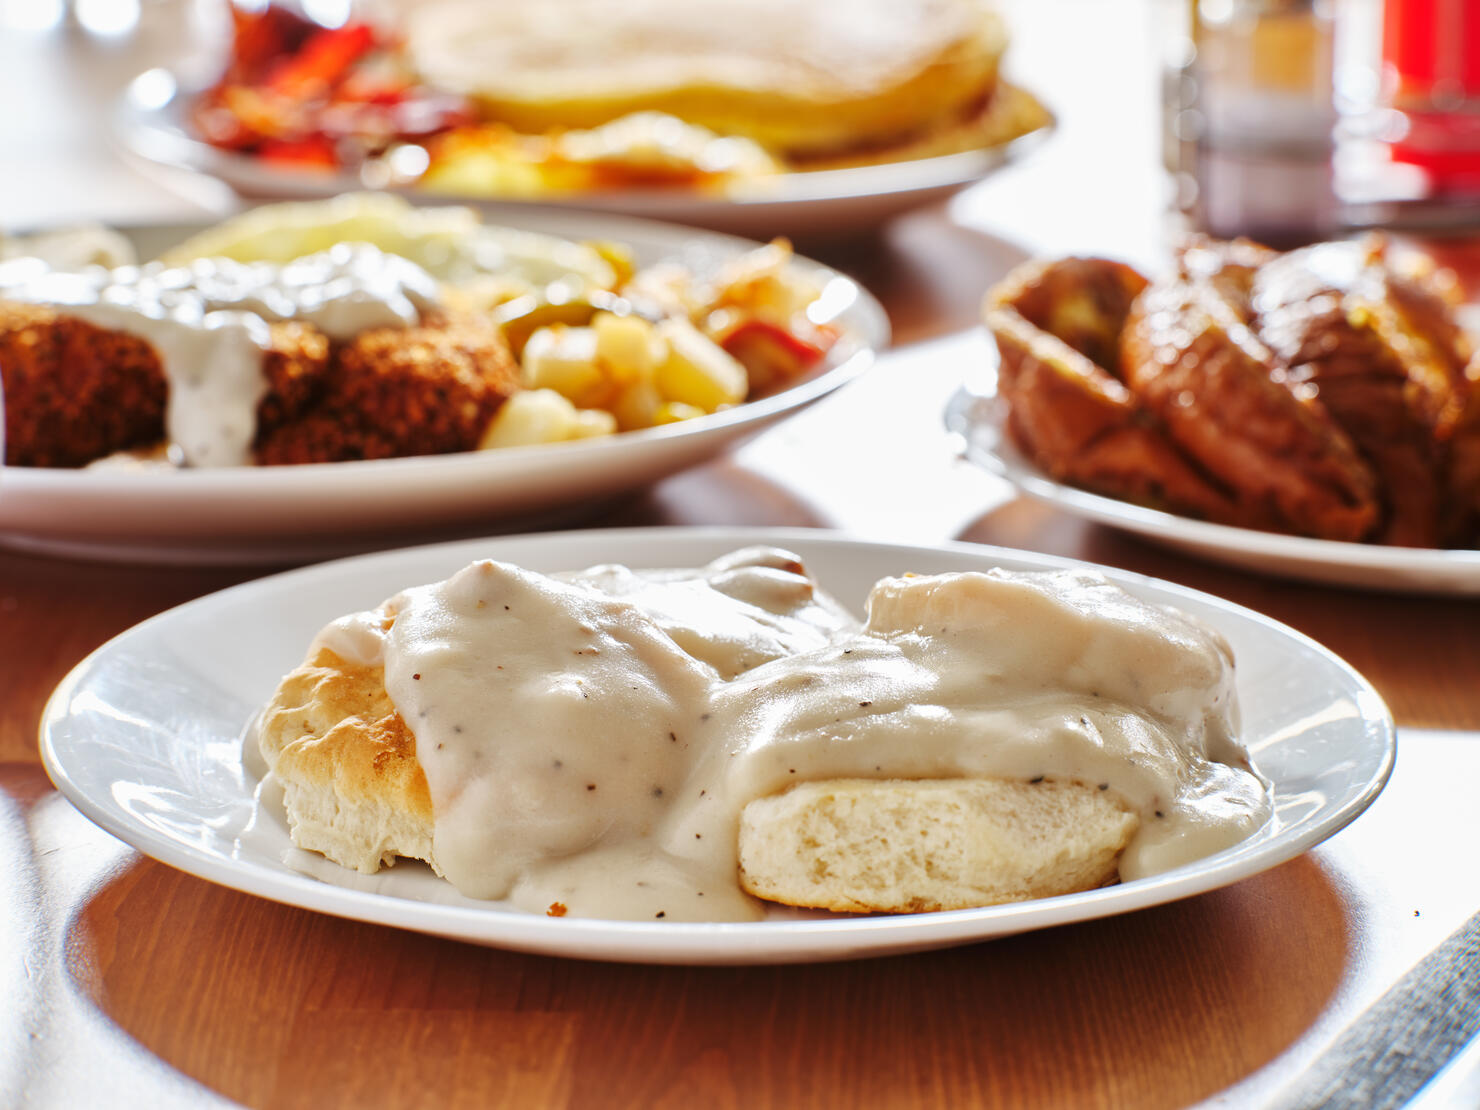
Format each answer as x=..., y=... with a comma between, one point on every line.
x=1326, y=392
x=1206, y=378
x=1058, y=329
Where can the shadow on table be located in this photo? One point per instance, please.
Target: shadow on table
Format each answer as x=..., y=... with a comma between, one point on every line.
x=718, y=493
x=275, y=1006
x=929, y=271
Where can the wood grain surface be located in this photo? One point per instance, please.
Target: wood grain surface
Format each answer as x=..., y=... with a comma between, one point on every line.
x=126, y=983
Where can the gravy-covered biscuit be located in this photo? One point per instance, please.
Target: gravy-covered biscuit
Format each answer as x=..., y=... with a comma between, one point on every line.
x=664, y=744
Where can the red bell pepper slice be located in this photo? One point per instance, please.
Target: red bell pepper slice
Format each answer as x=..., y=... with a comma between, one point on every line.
x=321, y=62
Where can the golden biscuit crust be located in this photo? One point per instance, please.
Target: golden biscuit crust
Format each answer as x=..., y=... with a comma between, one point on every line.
x=332, y=720
x=347, y=763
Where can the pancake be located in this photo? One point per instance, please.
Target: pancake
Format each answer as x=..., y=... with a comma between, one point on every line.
x=796, y=77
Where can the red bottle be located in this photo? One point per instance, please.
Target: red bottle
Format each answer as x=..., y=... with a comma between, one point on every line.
x=1431, y=64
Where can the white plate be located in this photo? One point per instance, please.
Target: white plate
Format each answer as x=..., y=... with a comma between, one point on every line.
x=977, y=417
x=809, y=204
x=144, y=738
x=280, y=514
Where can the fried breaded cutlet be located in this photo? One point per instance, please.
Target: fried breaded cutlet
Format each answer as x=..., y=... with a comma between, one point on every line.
x=295, y=365
x=75, y=392
x=390, y=392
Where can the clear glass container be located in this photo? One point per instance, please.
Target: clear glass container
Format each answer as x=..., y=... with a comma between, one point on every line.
x=1251, y=117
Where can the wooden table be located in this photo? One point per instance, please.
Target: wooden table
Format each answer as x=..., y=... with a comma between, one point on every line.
x=125, y=982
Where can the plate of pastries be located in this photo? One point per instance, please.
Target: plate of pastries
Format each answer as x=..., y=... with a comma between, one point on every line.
x=1312, y=413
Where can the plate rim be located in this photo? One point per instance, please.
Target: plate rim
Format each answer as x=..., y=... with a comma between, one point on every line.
x=693, y=943
x=863, y=349
x=962, y=417
x=865, y=337
x=263, y=478
x=157, y=133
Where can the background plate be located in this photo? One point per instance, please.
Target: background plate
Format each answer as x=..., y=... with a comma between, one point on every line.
x=279, y=514
x=802, y=205
x=145, y=737
x=978, y=418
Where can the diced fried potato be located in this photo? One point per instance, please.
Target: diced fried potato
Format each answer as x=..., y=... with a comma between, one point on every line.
x=627, y=348
x=764, y=285
x=618, y=256
x=532, y=417
x=721, y=322
x=496, y=171
x=671, y=412
x=696, y=371
x=564, y=359
x=592, y=423
x=637, y=406
x=666, y=287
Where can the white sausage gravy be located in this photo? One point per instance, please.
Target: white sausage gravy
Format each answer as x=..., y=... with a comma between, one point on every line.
x=591, y=739
x=208, y=323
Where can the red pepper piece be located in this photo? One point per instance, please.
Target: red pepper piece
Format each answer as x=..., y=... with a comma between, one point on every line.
x=259, y=39
x=772, y=354
x=374, y=88
x=322, y=61
x=762, y=334
x=315, y=152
